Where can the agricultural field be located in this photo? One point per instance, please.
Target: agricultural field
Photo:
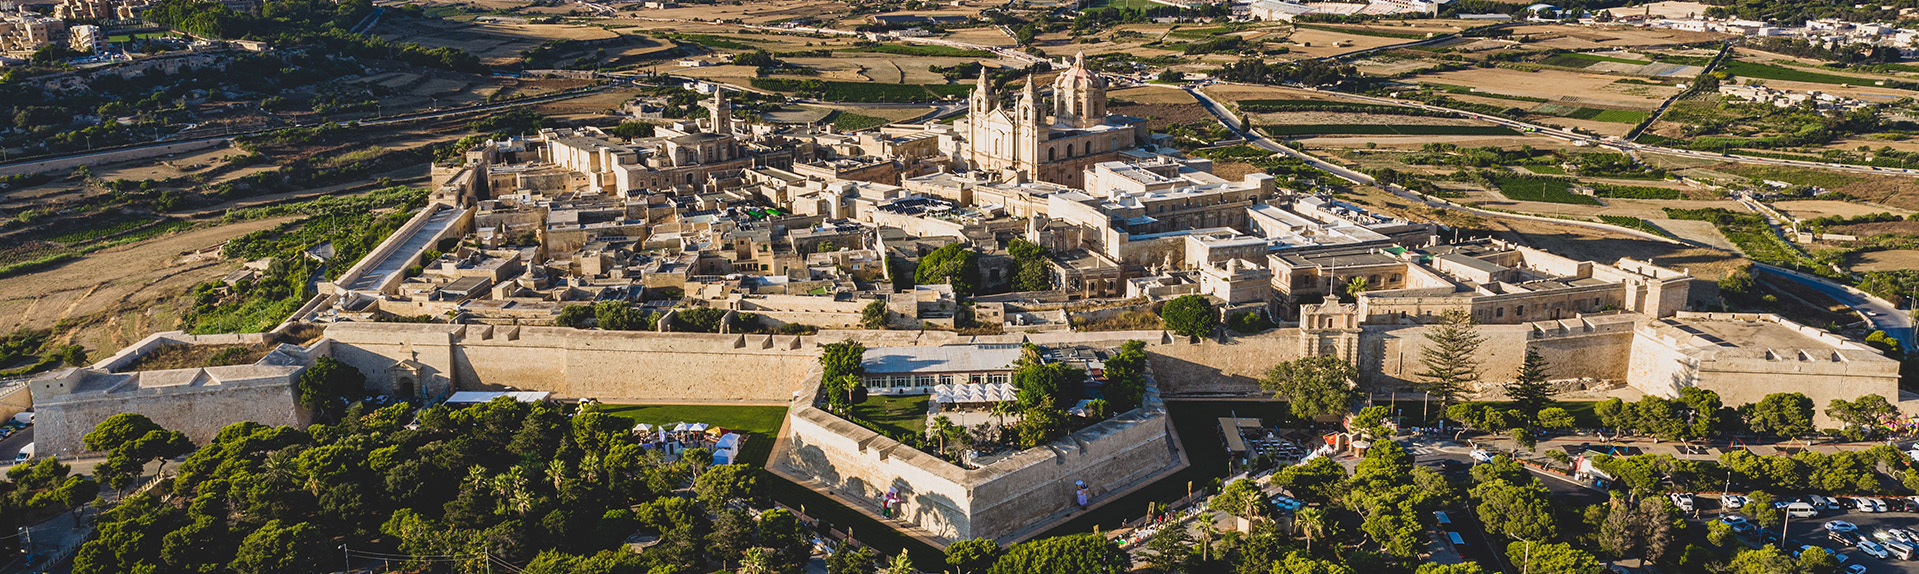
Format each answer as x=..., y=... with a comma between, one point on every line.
x=1553, y=85
x=1892, y=260
x=1544, y=36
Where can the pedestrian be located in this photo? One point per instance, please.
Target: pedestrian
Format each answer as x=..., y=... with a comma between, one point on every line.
x=1081, y=495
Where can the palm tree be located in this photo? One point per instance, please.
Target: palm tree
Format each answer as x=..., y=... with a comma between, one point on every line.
x=900, y=565
x=1208, y=531
x=756, y=561
x=942, y=428
x=1312, y=523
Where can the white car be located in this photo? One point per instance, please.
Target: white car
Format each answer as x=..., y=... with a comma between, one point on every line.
x=1892, y=534
x=1873, y=549
x=1683, y=500
x=1733, y=519
x=1856, y=569
x=1840, y=526
x=1733, y=501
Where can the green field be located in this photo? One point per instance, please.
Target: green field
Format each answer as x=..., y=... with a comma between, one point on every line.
x=1364, y=32
x=1468, y=90
x=1545, y=169
x=906, y=413
x=1770, y=72
x=757, y=420
x=1550, y=190
x=926, y=51
x=852, y=122
x=1621, y=116
x=1378, y=129
x=864, y=92
x=1577, y=60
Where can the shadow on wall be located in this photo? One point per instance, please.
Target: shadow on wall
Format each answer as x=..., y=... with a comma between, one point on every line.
x=1179, y=376
x=926, y=510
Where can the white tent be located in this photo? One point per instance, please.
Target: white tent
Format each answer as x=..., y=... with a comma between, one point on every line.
x=642, y=427
x=697, y=427
x=681, y=427
x=727, y=441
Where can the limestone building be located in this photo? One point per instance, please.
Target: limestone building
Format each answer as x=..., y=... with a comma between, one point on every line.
x=1056, y=147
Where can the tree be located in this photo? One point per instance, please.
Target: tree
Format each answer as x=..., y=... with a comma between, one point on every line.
x=1189, y=315
x=1529, y=390
x=1450, y=357
x=901, y=564
x=1520, y=512
x=1637, y=530
x=1075, y=554
x=1032, y=260
x=725, y=483
x=328, y=384
x=874, y=315
x=274, y=549
x=1243, y=499
x=849, y=560
x=953, y=264
x=1318, y=480
x=1864, y=415
x=1759, y=508
x=1552, y=558
x=1169, y=550
x=1351, y=290
x=1299, y=563
x=1126, y=376
x=972, y=556
x=1311, y=523
x=1782, y=415
x=1313, y=386
x=118, y=430
x=618, y=316
x=1460, y=568
x=1556, y=418
x=1040, y=425
x=575, y=316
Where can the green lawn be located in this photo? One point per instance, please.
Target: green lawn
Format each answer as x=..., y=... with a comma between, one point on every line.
x=851, y=122
x=906, y=413
x=1771, y=72
x=1621, y=116
x=1545, y=169
x=1541, y=189
x=757, y=420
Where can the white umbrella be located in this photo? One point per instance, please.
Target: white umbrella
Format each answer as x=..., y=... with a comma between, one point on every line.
x=642, y=427
x=697, y=427
x=681, y=427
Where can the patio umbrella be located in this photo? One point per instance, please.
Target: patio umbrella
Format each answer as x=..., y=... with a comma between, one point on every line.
x=697, y=427
x=642, y=427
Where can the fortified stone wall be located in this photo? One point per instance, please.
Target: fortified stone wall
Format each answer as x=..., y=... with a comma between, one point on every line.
x=200, y=412
x=608, y=365
x=1003, y=501
x=15, y=398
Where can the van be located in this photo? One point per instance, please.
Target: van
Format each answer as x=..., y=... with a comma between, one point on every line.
x=1900, y=549
x=1801, y=510
x=26, y=454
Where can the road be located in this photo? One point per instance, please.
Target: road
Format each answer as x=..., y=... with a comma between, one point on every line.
x=435, y=114
x=1883, y=315
x=1254, y=137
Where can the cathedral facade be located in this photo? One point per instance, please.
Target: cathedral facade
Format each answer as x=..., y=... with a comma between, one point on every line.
x=1053, y=147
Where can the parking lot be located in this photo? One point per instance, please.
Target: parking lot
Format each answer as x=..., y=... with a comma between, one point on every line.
x=1811, y=531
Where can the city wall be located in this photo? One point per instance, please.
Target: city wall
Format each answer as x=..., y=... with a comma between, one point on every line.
x=198, y=411
x=104, y=158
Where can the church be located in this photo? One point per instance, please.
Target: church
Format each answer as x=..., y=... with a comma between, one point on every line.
x=1054, y=148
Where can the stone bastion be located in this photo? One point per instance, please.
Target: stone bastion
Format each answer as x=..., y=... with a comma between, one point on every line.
x=1008, y=500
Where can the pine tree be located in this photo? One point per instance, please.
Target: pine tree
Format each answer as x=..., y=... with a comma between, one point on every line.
x=1448, y=357
x=1530, y=391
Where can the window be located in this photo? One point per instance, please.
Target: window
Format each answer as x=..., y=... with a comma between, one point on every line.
x=946, y=379
x=1069, y=150
x=976, y=378
x=1519, y=311
x=1596, y=302
x=925, y=380
x=1499, y=312
x=1049, y=153
x=996, y=378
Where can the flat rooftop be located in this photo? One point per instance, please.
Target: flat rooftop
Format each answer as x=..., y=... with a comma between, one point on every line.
x=1748, y=334
x=944, y=359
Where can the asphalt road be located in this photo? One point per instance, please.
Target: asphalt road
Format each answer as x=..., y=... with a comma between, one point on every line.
x=1882, y=314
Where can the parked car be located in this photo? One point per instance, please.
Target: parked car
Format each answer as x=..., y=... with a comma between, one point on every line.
x=1734, y=520
x=1842, y=538
x=1900, y=550
x=1856, y=569
x=1840, y=526
x=1683, y=500
x=1872, y=549
x=1877, y=504
x=1892, y=534
x=1801, y=510
x=1733, y=501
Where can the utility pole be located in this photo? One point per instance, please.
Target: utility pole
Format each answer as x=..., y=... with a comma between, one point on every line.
x=347, y=557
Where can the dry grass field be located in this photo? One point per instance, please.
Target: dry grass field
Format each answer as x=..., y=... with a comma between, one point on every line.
x=1552, y=85
x=116, y=296
x=1152, y=95
x=1886, y=260
x=1584, y=38
x=1810, y=208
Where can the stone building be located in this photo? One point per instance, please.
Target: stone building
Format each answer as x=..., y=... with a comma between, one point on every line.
x=1055, y=148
